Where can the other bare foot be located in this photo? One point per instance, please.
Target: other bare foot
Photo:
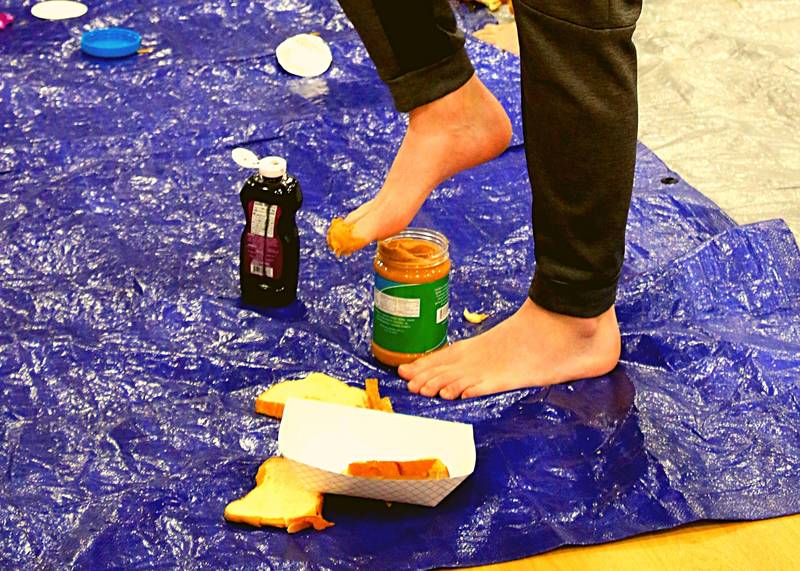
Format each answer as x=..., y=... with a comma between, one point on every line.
x=504, y=36
x=533, y=347
x=461, y=130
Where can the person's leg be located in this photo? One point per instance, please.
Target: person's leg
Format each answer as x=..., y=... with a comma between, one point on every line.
x=580, y=118
x=455, y=123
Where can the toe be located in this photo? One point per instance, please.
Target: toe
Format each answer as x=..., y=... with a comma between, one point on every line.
x=407, y=371
x=480, y=389
x=424, y=365
x=419, y=380
x=358, y=213
x=432, y=387
x=486, y=32
x=471, y=392
x=372, y=226
x=457, y=388
x=382, y=221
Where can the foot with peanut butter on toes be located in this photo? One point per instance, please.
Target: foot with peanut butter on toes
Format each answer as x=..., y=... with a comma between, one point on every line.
x=503, y=36
x=461, y=130
x=534, y=347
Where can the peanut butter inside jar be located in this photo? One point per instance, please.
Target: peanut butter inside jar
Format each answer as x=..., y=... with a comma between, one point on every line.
x=412, y=285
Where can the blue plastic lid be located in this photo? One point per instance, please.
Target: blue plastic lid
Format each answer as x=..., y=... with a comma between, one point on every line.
x=111, y=42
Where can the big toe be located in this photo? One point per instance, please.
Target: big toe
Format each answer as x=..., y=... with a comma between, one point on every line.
x=381, y=222
x=486, y=33
x=359, y=212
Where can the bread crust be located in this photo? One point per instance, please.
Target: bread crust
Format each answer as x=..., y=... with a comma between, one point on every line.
x=270, y=408
x=321, y=387
x=245, y=510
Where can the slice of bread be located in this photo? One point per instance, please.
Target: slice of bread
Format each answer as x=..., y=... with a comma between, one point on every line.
x=278, y=500
x=424, y=469
x=316, y=386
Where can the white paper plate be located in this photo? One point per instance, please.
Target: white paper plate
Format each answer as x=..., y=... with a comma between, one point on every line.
x=304, y=55
x=58, y=10
x=321, y=439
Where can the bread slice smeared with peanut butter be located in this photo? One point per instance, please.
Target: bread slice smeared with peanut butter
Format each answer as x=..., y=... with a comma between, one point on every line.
x=424, y=469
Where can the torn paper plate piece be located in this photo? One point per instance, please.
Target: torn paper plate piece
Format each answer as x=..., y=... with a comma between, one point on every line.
x=58, y=10
x=322, y=439
x=305, y=55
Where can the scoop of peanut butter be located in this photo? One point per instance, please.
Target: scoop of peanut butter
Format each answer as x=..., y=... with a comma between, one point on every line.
x=341, y=239
x=408, y=250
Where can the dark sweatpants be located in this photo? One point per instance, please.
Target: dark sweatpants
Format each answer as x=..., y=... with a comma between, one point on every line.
x=579, y=113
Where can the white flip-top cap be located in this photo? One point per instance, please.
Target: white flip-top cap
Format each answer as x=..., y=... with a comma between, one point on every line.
x=245, y=158
x=272, y=167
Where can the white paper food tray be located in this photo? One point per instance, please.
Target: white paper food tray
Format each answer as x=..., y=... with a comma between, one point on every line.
x=321, y=439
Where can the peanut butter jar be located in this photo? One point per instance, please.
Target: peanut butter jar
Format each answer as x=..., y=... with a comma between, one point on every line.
x=412, y=295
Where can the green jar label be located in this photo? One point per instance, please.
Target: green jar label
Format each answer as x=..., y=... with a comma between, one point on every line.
x=411, y=318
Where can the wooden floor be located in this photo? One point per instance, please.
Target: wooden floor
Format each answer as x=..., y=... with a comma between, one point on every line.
x=768, y=545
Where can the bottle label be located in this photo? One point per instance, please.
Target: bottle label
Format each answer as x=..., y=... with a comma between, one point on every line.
x=411, y=318
x=263, y=251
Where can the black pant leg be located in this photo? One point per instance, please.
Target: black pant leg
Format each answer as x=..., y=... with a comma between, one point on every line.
x=415, y=45
x=580, y=122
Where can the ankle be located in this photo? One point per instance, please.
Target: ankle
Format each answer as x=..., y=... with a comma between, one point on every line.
x=458, y=108
x=445, y=110
x=582, y=327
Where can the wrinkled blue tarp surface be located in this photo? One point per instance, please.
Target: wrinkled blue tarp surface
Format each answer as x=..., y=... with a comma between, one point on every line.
x=128, y=369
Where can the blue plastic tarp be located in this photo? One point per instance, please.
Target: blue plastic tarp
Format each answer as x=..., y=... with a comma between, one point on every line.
x=129, y=370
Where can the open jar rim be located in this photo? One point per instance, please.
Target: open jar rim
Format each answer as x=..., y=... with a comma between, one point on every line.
x=436, y=256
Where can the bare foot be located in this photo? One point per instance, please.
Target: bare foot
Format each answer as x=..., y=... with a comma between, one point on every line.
x=504, y=36
x=533, y=347
x=461, y=130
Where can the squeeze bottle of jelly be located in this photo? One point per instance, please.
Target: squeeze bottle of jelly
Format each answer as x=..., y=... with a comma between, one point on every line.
x=269, y=259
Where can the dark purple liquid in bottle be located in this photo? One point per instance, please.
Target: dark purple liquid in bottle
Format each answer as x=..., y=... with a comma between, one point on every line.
x=269, y=258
